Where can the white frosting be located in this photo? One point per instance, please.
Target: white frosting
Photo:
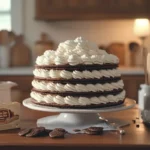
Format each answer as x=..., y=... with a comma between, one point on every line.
x=77, y=100
x=76, y=74
x=60, y=60
x=65, y=74
x=74, y=52
x=58, y=100
x=58, y=87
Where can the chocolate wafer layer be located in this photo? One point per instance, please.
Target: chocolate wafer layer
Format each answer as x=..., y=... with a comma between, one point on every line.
x=81, y=81
x=79, y=67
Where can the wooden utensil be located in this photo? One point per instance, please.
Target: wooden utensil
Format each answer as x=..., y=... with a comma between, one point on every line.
x=135, y=54
x=20, y=53
x=119, y=50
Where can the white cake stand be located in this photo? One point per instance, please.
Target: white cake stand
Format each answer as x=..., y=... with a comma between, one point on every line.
x=70, y=119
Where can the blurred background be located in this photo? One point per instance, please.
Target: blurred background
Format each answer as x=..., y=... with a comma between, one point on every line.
x=29, y=27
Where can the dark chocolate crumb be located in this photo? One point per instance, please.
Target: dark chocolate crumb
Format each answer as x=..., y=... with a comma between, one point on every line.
x=60, y=129
x=93, y=130
x=87, y=131
x=134, y=121
x=137, y=125
x=96, y=129
x=76, y=130
x=48, y=131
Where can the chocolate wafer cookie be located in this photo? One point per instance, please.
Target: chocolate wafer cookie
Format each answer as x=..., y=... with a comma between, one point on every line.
x=78, y=67
x=38, y=131
x=23, y=132
x=79, y=106
x=57, y=134
x=96, y=129
x=60, y=129
x=93, y=130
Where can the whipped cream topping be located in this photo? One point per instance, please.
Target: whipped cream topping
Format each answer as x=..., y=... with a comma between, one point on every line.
x=58, y=87
x=70, y=100
x=74, y=52
x=64, y=74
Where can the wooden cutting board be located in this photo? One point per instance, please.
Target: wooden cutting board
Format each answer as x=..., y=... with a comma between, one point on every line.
x=4, y=37
x=43, y=44
x=20, y=53
x=119, y=50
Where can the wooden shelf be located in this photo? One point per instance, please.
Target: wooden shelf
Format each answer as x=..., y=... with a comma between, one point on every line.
x=91, y=9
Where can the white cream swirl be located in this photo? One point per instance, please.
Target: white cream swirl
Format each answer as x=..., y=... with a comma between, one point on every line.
x=58, y=87
x=74, y=60
x=64, y=74
x=97, y=59
x=70, y=100
x=48, y=98
x=59, y=100
x=50, y=87
x=74, y=52
x=77, y=75
x=86, y=59
x=59, y=60
x=87, y=74
x=54, y=74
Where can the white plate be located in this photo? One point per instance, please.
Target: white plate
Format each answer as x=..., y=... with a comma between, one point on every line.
x=129, y=103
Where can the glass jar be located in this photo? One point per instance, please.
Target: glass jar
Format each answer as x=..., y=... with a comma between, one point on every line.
x=144, y=103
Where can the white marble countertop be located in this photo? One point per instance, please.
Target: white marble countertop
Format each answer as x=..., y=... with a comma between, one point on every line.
x=17, y=71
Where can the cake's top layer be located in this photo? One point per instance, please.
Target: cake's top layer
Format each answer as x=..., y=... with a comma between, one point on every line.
x=75, y=52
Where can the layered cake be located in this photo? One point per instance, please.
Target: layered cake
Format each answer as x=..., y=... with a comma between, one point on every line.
x=77, y=75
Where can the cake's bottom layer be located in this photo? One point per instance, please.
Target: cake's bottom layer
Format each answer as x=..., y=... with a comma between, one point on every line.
x=80, y=106
x=79, y=100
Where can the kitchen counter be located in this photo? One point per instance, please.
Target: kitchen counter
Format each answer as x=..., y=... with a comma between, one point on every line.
x=135, y=137
x=28, y=71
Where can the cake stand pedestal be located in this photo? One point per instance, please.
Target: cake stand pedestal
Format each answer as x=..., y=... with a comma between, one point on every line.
x=71, y=119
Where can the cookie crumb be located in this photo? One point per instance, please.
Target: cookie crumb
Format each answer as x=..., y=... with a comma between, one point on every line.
x=76, y=130
x=93, y=130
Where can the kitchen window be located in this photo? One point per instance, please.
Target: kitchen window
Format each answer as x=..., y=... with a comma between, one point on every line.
x=5, y=15
x=11, y=15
